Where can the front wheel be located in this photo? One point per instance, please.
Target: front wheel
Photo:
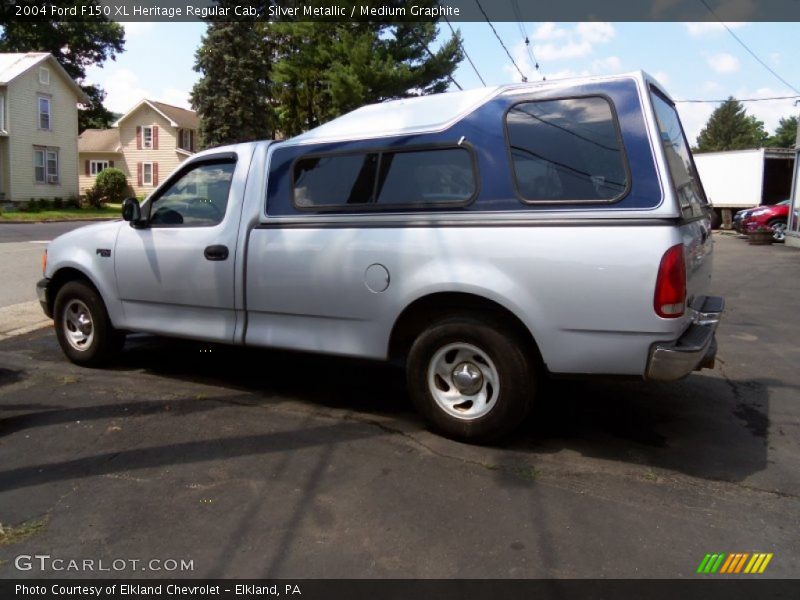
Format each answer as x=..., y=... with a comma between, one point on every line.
x=83, y=328
x=471, y=380
x=778, y=230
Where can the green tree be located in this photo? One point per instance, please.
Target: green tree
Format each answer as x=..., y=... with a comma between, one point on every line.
x=75, y=45
x=730, y=128
x=281, y=78
x=785, y=135
x=233, y=96
x=322, y=70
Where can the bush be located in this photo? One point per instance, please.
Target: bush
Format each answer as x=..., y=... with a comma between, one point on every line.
x=112, y=185
x=93, y=197
x=72, y=202
x=45, y=204
x=58, y=203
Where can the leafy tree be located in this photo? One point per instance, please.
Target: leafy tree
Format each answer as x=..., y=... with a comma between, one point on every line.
x=233, y=96
x=785, y=135
x=730, y=128
x=323, y=70
x=279, y=79
x=75, y=45
x=95, y=115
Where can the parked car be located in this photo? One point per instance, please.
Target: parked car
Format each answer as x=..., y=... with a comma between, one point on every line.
x=740, y=216
x=482, y=239
x=775, y=217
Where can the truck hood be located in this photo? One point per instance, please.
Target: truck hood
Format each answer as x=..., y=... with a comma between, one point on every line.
x=92, y=231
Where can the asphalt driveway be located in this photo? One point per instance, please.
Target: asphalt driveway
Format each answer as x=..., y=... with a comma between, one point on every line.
x=273, y=464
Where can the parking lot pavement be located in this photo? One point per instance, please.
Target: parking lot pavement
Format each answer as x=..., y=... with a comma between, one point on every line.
x=271, y=464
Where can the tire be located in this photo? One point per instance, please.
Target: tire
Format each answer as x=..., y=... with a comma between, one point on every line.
x=778, y=227
x=488, y=357
x=83, y=328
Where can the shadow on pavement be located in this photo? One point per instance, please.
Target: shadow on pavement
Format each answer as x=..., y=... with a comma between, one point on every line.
x=705, y=426
x=182, y=453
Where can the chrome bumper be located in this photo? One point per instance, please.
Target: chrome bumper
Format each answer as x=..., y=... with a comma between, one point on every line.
x=696, y=349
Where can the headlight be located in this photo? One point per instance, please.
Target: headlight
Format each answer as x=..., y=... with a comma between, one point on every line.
x=44, y=261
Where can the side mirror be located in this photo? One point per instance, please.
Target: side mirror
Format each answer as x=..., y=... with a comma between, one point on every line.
x=131, y=211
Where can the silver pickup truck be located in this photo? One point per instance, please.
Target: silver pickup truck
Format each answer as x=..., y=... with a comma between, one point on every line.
x=483, y=239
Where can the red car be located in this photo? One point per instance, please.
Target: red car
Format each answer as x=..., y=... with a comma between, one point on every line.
x=775, y=217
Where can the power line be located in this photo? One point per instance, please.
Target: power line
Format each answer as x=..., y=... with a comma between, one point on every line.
x=464, y=50
x=421, y=41
x=528, y=48
x=511, y=58
x=739, y=100
x=753, y=54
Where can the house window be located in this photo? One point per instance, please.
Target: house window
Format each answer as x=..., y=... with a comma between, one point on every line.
x=147, y=137
x=45, y=165
x=2, y=112
x=186, y=139
x=44, y=112
x=95, y=166
x=44, y=76
x=147, y=173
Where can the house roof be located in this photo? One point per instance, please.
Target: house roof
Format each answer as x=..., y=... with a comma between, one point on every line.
x=13, y=65
x=177, y=116
x=184, y=118
x=99, y=140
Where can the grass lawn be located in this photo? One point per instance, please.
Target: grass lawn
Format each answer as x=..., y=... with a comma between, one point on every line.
x=110, y=211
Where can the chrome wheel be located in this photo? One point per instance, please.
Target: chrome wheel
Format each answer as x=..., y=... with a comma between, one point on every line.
x=78, y=325
x=463, y=381
x=779, y=232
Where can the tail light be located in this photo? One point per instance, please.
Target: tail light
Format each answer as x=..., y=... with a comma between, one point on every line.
x=669, y=300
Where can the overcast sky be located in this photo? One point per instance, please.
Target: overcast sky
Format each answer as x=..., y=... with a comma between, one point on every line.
x=692, y=60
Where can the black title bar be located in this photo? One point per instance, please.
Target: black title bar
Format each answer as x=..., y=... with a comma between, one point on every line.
x=400, y=10
x=709, y=588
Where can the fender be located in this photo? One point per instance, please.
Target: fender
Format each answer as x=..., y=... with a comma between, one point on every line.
x=90, y=251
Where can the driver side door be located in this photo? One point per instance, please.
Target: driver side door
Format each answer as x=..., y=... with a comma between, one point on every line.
x=175, y=271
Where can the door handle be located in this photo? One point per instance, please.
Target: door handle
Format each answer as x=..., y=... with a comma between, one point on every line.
x=216, y=252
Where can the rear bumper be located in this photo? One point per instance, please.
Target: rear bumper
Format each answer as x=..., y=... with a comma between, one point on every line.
x=696, y=349
x=41, y=292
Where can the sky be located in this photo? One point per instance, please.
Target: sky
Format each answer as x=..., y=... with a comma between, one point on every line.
x=694, y=61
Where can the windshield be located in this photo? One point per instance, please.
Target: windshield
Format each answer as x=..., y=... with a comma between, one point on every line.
x=681, y=167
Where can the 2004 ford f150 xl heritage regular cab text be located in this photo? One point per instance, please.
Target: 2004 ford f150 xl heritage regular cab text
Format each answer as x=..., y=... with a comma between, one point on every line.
x=484, y=238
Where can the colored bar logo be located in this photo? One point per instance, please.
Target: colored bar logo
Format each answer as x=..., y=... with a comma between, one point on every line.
x=735, y=563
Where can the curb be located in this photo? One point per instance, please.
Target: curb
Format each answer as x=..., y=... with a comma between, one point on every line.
x=18, y=319
x=27, y=329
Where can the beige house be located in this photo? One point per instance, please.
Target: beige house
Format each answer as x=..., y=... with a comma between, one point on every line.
x=38, y=128
x=147, y=144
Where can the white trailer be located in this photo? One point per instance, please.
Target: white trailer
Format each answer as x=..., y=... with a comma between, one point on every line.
x=739, y=179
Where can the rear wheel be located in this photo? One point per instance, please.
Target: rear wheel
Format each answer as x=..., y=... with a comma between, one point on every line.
x=778, y=230
x=83, y=328
x=471, y=380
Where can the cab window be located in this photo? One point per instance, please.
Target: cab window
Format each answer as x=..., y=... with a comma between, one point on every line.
x=198, y=198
